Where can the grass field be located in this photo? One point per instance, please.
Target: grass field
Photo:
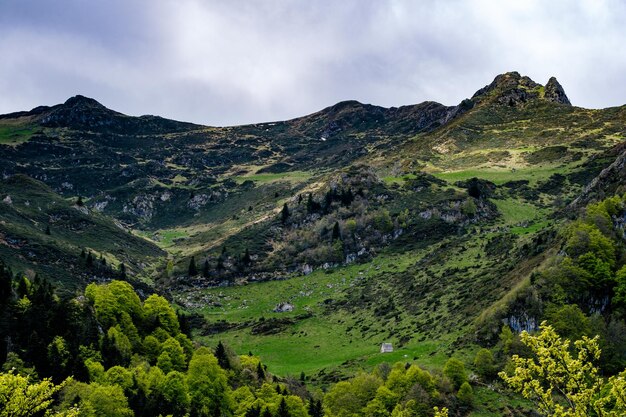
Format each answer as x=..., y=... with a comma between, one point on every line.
x=11, y=134
x=502, y=175
x=265, y=178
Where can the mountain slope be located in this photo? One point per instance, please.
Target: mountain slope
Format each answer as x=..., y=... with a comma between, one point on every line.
x=403, y=224
x=42, y=233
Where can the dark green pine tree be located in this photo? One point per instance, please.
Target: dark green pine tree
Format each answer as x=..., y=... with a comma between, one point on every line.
x=123, y=270
x=48, y=230
x=310, y=204
x=6, y=278
x=254, y=411
x=260, y=372
x=315, y=408
x=222, y=356
x=283, y=411
x=336, y=232
x=347, y=197
x=284, y=214
x=206, y=269
x=302, y=376
x=79, y=202
x=103, y=261
x=193, y=271
x=89, y=260
x=82, y=254
x=246, y=260
x=266, y=412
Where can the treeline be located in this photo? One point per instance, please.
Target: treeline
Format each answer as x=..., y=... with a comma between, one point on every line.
x=108, y=353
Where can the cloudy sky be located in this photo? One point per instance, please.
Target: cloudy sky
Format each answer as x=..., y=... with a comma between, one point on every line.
x=231, y=62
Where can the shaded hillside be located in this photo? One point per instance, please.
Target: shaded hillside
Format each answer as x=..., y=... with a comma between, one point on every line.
x=42, y=233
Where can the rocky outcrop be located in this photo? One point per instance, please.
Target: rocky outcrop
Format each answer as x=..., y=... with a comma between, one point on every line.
x=554, y=92
x=84, y=113
x=512, y=89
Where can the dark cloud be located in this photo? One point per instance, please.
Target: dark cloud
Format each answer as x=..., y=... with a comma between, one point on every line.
x=232, y=62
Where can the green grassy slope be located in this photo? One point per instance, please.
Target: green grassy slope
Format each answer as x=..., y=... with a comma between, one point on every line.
x=28, y=207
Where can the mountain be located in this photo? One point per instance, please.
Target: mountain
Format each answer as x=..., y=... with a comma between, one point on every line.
x=414, y=225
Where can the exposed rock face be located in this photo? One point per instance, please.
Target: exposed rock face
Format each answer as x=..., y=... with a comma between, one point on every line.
x=514, y=90
x=509, y=89
x=554, y=92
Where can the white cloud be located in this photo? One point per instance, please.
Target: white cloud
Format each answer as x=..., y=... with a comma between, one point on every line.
x=235, y=62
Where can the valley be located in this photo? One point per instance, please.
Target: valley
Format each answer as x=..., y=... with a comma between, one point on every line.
x=425, y=226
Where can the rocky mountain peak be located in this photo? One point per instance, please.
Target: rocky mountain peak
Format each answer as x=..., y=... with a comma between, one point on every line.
x=79, y=101
x=513, y=89
x=554, y=92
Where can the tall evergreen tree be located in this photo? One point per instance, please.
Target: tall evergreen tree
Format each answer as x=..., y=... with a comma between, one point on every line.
x=266, y=412
x=284, y=214
x=315, y=408
x=283, y=411
x=222, y=356
x=193, y=271
x=89, y=260
x=254, y=411
x=48, y=230
x=260, y=372
x=206, y=269
x=5, y=283
x=336, y=232
x=82, y=254
x=123, y=270
x=246, y=260
x=79, y=201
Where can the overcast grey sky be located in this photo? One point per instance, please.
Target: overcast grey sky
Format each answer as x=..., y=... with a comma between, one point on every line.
x=232, y=62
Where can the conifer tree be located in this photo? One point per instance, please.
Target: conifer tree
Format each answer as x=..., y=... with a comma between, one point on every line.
x=206, y=269
x=48, y=230
x=79, y=202
x=310, y=204
x=315, y=408
x=246, y=258
x=260, y=372
x=89, y=260
x=222, y=356
x=5, y=283
x=284, y=214
x=254, y=411
x=282, y=409
x=82, y=254
x=193, y=271
x=123, y=270
x=336, y=232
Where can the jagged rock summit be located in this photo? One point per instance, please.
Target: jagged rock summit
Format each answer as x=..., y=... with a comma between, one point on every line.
x=512, y=89
x=554, y=92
